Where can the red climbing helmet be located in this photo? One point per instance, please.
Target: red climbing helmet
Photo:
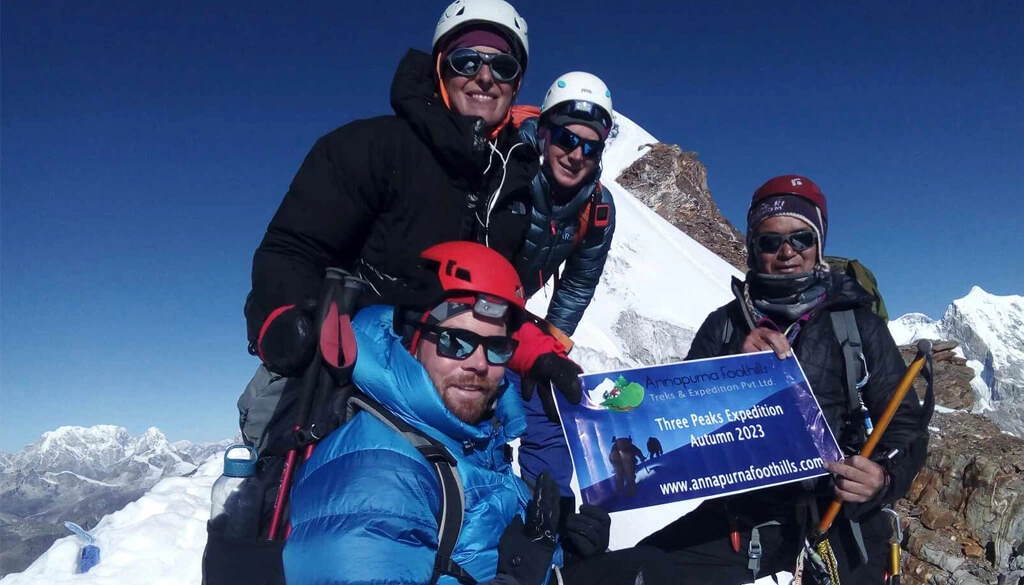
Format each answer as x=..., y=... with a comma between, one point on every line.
x=792, y=185
x=475, y=269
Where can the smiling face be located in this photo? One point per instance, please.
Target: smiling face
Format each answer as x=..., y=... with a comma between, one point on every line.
x=482, y=95
x=786, y=260
x=467, y=387
x=570, y=168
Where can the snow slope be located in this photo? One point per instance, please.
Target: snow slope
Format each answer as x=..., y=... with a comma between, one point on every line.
x=156, y=540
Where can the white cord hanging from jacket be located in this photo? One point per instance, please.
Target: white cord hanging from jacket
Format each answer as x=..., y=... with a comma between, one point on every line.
x=497, y=192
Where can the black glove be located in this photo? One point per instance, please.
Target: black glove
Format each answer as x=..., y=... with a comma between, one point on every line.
x=586, y=533
x=526, y=548
x=287, y=340
x=555, y=370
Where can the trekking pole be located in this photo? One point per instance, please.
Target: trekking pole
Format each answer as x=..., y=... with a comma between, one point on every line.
x=924, y=352
x=337, y=343
x=311, y=379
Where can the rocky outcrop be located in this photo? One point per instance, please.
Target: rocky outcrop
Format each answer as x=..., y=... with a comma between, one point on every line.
x=952, y=375
x=674, y=184
x=963, y=518
x=964, y=515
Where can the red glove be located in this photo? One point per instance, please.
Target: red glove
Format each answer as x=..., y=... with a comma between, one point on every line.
x=540, y=361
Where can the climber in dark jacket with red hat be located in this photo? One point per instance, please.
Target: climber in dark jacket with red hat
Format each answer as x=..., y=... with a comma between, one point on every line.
x=786, y=304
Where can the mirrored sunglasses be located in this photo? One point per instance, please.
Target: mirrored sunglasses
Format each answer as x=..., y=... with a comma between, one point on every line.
x=567, y=140
x=459, y=344
x=770, y=243
x=467, y=62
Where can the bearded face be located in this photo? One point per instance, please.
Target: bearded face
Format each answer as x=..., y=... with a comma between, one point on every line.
x=468, y=387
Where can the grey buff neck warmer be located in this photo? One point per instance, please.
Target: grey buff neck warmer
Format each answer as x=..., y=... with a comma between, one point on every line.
x=787, y=297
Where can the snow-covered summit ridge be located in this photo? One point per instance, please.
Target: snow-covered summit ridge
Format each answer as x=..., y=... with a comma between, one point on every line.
x=990, y=330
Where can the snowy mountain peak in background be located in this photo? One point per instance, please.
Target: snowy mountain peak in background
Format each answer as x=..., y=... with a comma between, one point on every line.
x=81, y=474
x=102, y=452
x=990, y=330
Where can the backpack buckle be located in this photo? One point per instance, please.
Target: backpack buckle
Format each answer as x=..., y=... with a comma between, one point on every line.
x=436, y=453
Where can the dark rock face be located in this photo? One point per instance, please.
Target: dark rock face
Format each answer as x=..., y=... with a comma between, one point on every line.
x=952, y=375
x=963, y=518
x=675, y=185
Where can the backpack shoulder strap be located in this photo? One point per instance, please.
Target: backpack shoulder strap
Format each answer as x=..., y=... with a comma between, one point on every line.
x=449, y=520
x=594, y=213
x=844, y=323
x=584, y=220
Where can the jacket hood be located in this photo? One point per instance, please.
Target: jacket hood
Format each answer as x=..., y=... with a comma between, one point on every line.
x=541, y=187
x=389, y=374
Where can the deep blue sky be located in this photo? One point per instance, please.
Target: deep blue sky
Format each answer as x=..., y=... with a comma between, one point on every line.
x=146, y=145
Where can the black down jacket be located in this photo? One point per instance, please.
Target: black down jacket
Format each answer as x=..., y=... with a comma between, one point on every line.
x=821, y=357
x=373, y=194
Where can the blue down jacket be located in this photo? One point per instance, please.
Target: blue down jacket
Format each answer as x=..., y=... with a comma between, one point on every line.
x=364, y=506
x=550, y=241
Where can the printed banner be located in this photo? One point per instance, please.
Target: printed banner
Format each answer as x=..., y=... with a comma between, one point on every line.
x=696, y=429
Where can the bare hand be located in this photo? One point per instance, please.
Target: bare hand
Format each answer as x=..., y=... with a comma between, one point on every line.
x=858, y=479
x=763, y=338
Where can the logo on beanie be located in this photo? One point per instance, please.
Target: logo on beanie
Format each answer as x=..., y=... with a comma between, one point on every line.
x=796, y=182
x=771, y=207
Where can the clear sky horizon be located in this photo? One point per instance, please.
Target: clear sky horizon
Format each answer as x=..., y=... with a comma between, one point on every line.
x=145, y=146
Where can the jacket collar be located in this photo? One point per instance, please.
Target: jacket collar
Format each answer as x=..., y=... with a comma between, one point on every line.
x=389, y=374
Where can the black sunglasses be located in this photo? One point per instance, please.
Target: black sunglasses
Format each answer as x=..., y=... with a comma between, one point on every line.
x=769, y=243
x=467, y=62
x=565, y=139
x=459, y=344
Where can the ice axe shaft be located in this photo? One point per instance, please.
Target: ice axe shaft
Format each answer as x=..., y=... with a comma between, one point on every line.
x=924, y=349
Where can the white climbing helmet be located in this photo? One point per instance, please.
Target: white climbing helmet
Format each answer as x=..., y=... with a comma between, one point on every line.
x=579, y=96
x=495, y=12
